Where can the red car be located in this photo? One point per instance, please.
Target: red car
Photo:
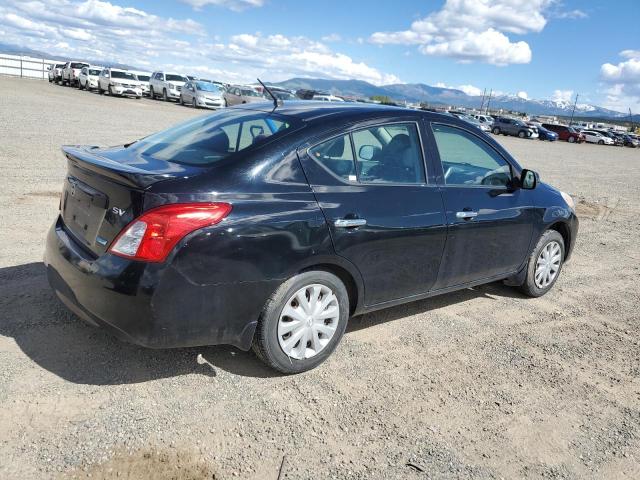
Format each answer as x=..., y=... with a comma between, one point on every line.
x=568, y=134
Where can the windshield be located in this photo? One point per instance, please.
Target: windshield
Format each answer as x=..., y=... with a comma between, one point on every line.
x=143, y=78
x=250, y=93
x=204, y=141
x=78, y=65
x=283, y=95
x=125, y=75
x=175, y=78
x=94, y=72
x=208, y=87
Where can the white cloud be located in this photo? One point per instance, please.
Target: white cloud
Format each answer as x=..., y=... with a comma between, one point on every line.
x=523, y=95
x=468, y=89
x=333, y=37
x=572, y=14
x=623, y=81
x=235, y=5
x=562, y=95
x=474, y=30
x=100, y=30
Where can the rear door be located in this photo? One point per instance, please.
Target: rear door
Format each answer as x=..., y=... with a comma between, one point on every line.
x=490, y=223
x=383, y=215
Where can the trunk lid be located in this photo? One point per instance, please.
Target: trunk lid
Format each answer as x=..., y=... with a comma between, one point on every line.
x=104, y=191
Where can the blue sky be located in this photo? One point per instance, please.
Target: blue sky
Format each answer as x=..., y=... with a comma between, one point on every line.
x=547, y=49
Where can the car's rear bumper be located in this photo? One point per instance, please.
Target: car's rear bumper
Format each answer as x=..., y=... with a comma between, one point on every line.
x=148, y=304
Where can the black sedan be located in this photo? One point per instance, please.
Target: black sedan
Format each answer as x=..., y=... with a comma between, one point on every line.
x=269, y=228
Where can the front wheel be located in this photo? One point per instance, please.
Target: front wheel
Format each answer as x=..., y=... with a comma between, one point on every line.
x=522, y=134
x=600, y=142
x=165, y=97
x=572, y=139
x=545, y=264
x=152, y=95
x=194, y=104
x=302, y=322
x=496, y=131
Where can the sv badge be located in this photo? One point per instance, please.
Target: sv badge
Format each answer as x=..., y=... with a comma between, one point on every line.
x=118, y=211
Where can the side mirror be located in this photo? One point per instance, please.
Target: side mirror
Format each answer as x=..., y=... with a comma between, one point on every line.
x=366, y=152
x=528, y=179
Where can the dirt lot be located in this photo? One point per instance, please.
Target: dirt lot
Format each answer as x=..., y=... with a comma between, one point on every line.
x=482, y=383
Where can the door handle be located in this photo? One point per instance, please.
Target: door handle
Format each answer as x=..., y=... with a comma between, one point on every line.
x=349, y=222
x=466, y=215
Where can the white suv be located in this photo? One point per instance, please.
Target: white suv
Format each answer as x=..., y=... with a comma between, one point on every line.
x=143, y=78
x=71, y=72
x=55, y=72
x=119, y=82
x=167, y=85
x=88, y=78
x=597, y=137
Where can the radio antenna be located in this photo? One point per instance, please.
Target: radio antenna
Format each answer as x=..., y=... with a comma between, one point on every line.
x=276, y=102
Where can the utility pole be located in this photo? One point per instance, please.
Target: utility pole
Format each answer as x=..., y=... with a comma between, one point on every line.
x=574, y=109
x=631, y=120
x=489, y=101
x=484, y=93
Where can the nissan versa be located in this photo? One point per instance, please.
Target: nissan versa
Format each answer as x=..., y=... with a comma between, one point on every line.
x=270, y=227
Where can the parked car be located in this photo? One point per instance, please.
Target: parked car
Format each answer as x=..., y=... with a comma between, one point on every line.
x=544, y=134
x=512, y=126
x=592, y=136
x=629, y=141
x=71, y=72
x=472, y=120
x=202, y=94
x=143, y=79
x=88, y=78
x=282, y=94
x=167, y=85
x=236, y=95
x=269, y=228
x=119, y=82
x=568, y=134
x=55, y=72
x=488, y=119
x=607, y=133
x=328, y=98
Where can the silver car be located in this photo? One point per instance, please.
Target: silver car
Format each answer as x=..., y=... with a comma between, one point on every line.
x=239, y=95
x=202, y=94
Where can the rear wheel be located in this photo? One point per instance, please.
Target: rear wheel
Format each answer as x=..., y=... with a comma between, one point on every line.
x=522, y=134
x=496, y=131
x=545, y=264
x=600, y=142
x=302, y=322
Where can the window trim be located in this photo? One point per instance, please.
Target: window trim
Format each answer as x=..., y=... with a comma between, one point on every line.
x=489, y=187
x=349, y=131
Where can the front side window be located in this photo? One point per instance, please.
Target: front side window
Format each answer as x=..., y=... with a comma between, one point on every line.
x=204, y=141
x=389, y=154
x=336, y=156
x=469, y=161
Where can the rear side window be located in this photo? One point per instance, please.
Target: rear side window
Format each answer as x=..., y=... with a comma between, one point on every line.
x=469, y=161
x=389, y=154
x=204, y=141
x=336, y=155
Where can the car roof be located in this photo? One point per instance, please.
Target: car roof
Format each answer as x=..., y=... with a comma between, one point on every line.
x=309, y=110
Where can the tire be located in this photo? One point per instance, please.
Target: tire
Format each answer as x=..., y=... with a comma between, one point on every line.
x=110, y=91
x=194, y=104
x=496, y=131
x=80, y=87
x=100, y=90
x=522, y=134
x=571, y=140
x=600, y=142
x=165, y=97
x=152, y=95
x=181, y=101
x=532, y=288
x=267, y=340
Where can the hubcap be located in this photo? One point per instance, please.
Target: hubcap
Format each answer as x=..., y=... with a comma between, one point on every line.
x=548, y=264
x=308, y=321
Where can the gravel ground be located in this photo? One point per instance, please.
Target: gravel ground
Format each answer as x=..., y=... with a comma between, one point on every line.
x=482, y=383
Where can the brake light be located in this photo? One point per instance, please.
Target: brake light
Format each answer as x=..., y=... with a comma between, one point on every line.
x=153, y=235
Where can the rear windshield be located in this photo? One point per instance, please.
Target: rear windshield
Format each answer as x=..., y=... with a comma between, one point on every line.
x=204, y=141
x=250, y=93
x=175, y=78
x=127, y=75
x=78, y=65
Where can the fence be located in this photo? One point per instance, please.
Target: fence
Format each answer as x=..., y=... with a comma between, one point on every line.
x=23, y=66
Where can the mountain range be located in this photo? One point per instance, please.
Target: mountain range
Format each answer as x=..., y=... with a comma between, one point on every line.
x=421, y=93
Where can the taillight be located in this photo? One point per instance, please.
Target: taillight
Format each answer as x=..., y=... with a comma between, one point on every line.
x=153, y=235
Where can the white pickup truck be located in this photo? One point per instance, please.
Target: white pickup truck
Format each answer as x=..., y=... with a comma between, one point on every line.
x=166, y=85
x=71, y=72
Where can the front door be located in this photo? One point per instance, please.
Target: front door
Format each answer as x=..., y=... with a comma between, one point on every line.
x=383, y=216
x=490, y=223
